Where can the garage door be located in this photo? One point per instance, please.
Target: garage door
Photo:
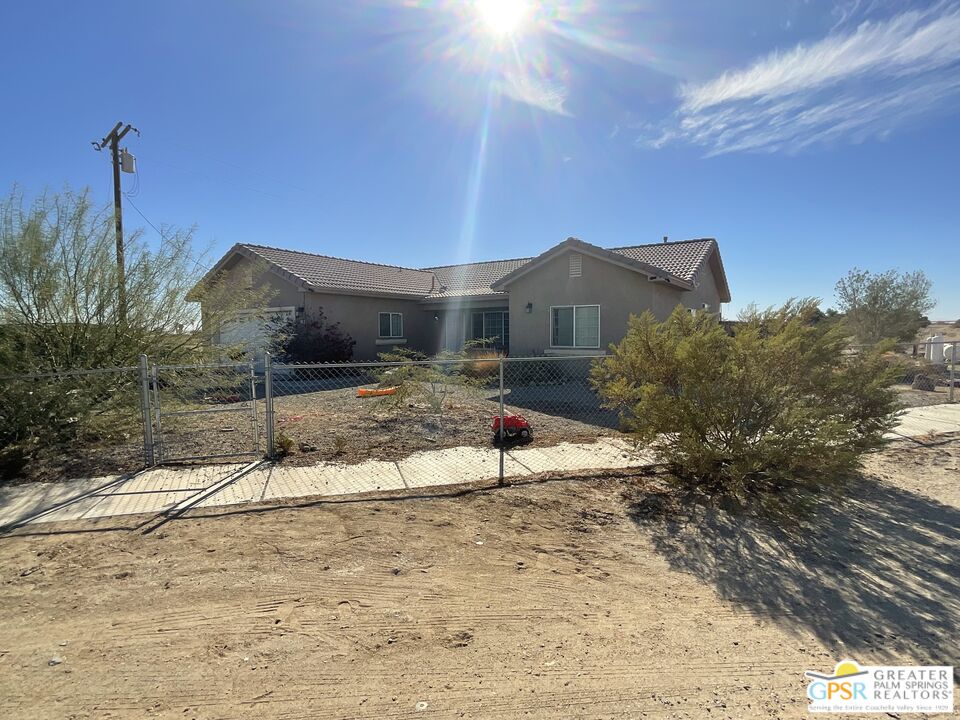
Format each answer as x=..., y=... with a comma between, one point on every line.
x=251, y=330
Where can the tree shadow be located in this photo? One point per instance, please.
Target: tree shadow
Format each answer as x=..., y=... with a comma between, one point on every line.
x=570, y=400
x=876, y=574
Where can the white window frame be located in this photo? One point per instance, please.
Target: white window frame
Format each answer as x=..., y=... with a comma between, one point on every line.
x=574, y=346
x=391, y=335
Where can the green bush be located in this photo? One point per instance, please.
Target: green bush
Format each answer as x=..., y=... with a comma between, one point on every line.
x=56, y=414
x=777, y=404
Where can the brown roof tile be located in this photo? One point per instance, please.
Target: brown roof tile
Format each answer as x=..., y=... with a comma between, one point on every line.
x=683, y=259
x=325, y=272
x=472, y=278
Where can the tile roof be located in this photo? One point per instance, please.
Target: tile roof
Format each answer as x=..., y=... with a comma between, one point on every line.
x=325, y=272
x=683, y=259
x=472, y=278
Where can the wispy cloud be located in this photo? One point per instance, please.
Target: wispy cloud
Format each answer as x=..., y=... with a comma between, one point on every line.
x=847, y=86
x=543, y=93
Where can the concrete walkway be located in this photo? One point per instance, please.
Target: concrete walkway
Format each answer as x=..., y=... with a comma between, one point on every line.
x=170, y=489
x=173, y=489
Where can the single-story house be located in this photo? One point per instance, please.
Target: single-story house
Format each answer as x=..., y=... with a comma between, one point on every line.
x=573, y=299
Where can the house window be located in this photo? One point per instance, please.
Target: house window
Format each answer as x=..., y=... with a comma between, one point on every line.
x=576, y=264
x=575, y=326
x=391, y=325
x=493, y=326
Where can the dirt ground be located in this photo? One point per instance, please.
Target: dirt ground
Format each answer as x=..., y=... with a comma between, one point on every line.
x=335, y=425
x=909, y=397
x=548, y=599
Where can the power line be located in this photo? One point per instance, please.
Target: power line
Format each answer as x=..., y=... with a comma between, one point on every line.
x=140, y=213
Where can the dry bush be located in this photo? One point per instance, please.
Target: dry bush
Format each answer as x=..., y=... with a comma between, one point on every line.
x=778, y=404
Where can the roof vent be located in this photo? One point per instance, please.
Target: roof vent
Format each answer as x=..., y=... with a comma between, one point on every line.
x=576, y=264
x=665, y=238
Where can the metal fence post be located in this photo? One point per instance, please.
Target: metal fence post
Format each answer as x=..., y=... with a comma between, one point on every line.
x=155, y=378
x=145, y=411
x=502, y=433
x=268, y=397
x=953, y=366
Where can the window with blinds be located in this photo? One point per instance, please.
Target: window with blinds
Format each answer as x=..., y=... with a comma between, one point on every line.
x=575, y=326
x=391, y=325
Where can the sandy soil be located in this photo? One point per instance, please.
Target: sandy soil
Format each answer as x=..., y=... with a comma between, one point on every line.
x=916, y=398
x=563, y=599
x=336, y=425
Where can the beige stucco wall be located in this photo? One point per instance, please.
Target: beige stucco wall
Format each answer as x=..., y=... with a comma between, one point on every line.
x=360, y=317
x=619, y=292
x=271, y=290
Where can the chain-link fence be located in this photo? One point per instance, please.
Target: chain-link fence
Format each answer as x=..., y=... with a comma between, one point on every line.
x=203, y=412
x=403, y=424
x=438, y=421
x=928, y=373
x=71, y=424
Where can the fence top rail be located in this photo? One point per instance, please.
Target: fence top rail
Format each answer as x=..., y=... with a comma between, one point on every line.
x=424, y=363
x=69, y=373
x=905, y=345
x=205, y=366
x=403, y=363
x=541, y=358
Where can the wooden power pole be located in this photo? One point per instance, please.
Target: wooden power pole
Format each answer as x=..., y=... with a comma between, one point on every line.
x=112, y=139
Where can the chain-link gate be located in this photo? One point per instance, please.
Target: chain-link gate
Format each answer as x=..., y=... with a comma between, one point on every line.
x=204, y=412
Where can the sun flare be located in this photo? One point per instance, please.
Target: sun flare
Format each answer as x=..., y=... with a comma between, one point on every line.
x=502, y=18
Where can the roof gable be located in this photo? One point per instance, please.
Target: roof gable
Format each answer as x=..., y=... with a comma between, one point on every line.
x=617, y=258
x=679, y=264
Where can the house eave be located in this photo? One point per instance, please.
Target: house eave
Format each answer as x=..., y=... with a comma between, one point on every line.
x=471, y=297
x=577, y=245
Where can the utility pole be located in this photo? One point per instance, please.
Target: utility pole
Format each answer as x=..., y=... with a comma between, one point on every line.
x=113, y=139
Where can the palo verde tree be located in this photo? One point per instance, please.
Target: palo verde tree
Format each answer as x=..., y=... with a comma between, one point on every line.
x=777, y=404
x=58, y=289
x=59, y=312
x=884, y=305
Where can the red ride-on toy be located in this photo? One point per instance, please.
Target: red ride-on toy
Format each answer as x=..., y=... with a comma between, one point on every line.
x=514, y=426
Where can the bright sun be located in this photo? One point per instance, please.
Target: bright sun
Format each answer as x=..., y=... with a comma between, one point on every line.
x=503, y=17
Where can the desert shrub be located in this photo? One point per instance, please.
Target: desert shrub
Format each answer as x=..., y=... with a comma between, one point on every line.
x=483, y=364
x=432, y=380
x=777, y=404
x=311, y=339
x=52, y=415
x=283, y=445
x=61, y=311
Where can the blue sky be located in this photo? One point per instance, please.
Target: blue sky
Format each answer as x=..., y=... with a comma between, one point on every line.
x=807, y=137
